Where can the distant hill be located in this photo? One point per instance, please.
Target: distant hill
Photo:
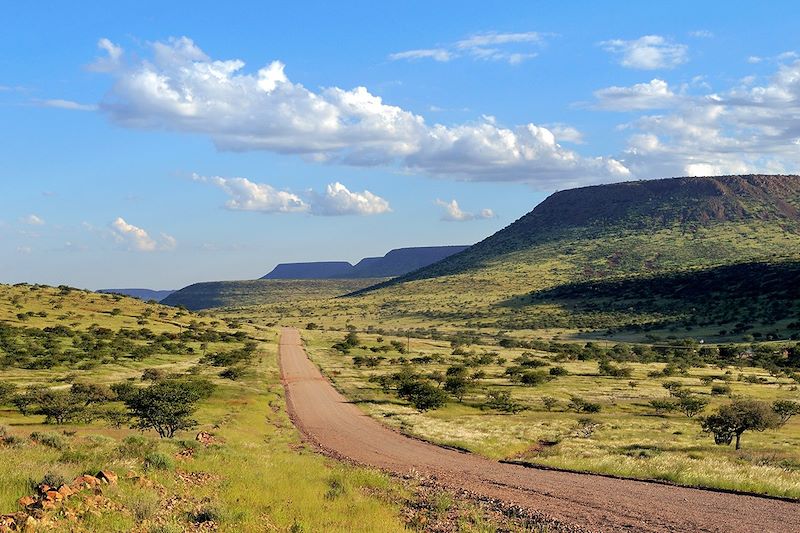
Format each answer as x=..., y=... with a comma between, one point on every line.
x=395, y=263
x=313, y=270
x=143, y=294
x=262, y=291
x=637, y=207
x=619, y=233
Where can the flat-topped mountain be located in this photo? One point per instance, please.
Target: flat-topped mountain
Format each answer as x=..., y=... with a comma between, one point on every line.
x=658, y=233
x=637, y=206
x=395, y=263
x=312, y=270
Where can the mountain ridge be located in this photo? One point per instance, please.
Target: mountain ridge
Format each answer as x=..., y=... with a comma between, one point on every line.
x=395, y=262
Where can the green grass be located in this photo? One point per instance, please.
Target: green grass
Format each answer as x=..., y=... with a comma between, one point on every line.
x=630, y=440
x=262, y=291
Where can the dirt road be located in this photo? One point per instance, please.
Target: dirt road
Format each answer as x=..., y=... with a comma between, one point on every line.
x=593, y=502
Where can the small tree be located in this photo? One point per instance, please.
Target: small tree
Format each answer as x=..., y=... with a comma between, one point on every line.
x=7, y=390
x=691, y=405
x=785, y=409
x=549, y=402
x=733, y=419
x=457, y=386
x=166, y=406
x=502, y=401
x=60, y=407
x=662, y=406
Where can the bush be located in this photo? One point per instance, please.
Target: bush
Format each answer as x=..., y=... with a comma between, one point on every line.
x=691, y=405
x=157, y=461
x=579, y=405
x=720, y=390
x=423, y=395
x=662, y=406
x=233, y=373
x=53, y=440
x=533, y=378
x=501, y=401
x=559, y=371
x=549, y=402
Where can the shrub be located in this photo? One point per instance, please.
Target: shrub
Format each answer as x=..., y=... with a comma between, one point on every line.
x=579, y=405
x=233, y=373
x=549, y=402
x=558, y=371
x=534, y=377
x=53, y=440
x=502, y=401
x=691, y=405
x=719, y=390
x=157, y=461
x=662, y=406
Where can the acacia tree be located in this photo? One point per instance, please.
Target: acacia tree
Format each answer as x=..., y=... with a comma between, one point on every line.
x=785, y=409
x=733, y=419
x=167, y=406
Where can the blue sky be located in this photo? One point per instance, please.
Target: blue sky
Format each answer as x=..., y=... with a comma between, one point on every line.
x=156, y=146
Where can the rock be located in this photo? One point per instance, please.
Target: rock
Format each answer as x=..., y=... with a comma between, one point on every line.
x=65, y=491
x=107, y=476
x=85, y=481
x=53, y=496
x=205, y=438
x=26, y=501
x=30, y=524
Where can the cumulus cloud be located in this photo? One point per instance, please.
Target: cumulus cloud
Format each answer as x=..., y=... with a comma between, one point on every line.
x=67, y=104
x=653, y=95
x=246, y=195
x=182, y=89
x=454, y=213
x=488, y=46
x=33, y=220
x=748, y=128
x=338, y=200
x=648, y=52
x=137, y=239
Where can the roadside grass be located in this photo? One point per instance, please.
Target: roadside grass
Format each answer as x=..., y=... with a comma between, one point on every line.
x=257, y=476
x=630, y=439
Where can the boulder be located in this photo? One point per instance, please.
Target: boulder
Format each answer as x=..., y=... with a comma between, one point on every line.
x=26, y=501
x=107, y=476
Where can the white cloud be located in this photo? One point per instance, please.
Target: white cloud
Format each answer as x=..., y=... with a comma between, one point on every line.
x=437, y=54
x=246, y=195
x=701, y=34
x=454, y=213
x=653, y=95
x=488, y=46
x=566, y=133
x=338, y=200
x=33, y=220
x=648, y=52
x=108, y=62
x=67, y=104
x=139, y=240
x=182, y=89
x=748, y=128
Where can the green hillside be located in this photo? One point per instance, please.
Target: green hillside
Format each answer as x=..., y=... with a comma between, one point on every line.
x=262, y=291
x=610, y=232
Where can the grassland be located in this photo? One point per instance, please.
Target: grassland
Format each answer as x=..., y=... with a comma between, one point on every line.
x=495, y=295
x=262, y=291
x=627, y=437
x=254, y=474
